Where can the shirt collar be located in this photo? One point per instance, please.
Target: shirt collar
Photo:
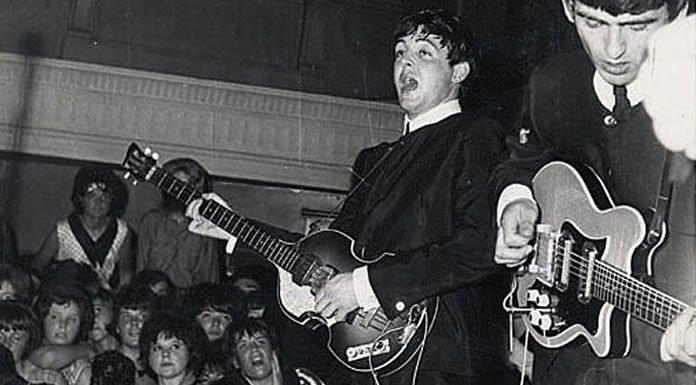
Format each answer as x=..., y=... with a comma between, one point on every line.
x=605, y=91
x=434, y=115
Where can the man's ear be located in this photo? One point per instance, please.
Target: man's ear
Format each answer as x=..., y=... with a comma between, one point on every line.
x=568, y=6
x=460, y=72
x=235, y=362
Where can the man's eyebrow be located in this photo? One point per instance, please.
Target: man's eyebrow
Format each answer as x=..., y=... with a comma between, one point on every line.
x=588, y=16
x=646, y=20
x=431, y=39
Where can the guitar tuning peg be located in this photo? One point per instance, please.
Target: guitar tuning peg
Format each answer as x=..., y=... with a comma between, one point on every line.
x=134, y=182
x=127, y=175
x=147, y=151
x=155, y=155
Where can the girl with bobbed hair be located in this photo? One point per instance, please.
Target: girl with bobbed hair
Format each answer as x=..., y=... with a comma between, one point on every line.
x=67, y=316
x=93, y=234
x=172, y=349
x=21, y=334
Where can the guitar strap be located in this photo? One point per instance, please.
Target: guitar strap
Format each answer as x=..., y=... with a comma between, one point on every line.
x=641, y=257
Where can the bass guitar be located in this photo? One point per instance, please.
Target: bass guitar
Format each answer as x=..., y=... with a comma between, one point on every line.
x=578, y=283
x=368, y=341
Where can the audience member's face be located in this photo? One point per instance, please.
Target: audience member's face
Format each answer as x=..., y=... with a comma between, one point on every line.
x=169, y=357
x=7, y=291
x=423, y=76
x=130, y=323
x=617, y=45
x=62, y=323
x=103, y=315
x=254, y=356
x=15, y=340
x=96, y=202
x=214, y=323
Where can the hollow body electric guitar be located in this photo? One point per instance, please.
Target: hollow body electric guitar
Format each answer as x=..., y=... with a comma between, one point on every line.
x=367, y=341
x=578, y=282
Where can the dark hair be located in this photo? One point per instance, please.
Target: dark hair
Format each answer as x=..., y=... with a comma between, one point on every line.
x=250, y=326
x=635, y=7
x=20, y=279
x=71, y=273
x=459, y=39
x=217, y=297
x=112, y=368
x=147, y=278
x=14, y=315
x=170, y=325
x=134, y=297
x=102, y=176
x=64, y=294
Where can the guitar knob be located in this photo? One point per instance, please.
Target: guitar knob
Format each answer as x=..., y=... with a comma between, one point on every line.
x=147, y=151
x=534, y=296
x=541, y=320
x=155, y=155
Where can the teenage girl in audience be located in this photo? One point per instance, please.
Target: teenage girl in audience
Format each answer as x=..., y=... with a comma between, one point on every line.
x=67, y=316
x=172, y=349
x=21, y=334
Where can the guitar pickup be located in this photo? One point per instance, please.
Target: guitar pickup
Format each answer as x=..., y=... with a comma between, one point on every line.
x=566, y=254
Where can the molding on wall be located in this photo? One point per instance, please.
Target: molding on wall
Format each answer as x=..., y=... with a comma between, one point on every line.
x=92, y=112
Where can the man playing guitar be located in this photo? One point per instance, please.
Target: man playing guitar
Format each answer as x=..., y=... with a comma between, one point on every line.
x=585, y=109
x=424, y=201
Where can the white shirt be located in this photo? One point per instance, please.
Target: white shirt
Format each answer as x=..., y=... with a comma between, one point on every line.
x=432, y=116
x=361, y=281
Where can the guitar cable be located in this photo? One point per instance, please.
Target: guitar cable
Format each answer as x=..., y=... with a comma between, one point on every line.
x=511, y=310
x=420, y=348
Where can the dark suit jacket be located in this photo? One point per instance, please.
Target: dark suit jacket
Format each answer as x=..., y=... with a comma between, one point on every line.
x=567, y=122
x=425, y=199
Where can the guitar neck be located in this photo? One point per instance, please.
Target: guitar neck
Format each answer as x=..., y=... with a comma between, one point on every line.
x=635, y=297
x=273, y=249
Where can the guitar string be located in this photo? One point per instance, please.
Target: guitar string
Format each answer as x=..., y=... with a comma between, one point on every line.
x=634, y=287
x=606, y=272
x=288, y=256
x=632, y=294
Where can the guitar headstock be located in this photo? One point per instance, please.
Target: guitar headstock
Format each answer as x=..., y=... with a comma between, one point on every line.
x=139, y=163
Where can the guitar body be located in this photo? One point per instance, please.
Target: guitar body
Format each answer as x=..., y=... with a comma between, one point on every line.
x=368, y=342
x=577, y=205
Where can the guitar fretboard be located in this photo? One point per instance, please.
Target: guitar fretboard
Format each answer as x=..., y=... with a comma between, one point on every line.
x=635, y=297
x=273, y=249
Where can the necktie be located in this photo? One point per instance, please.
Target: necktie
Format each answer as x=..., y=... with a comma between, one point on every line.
x=621, y=103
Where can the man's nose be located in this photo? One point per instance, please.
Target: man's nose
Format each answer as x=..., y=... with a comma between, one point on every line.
x=615, y=42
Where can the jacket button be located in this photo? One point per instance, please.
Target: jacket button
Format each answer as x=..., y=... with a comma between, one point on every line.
x=400, y=306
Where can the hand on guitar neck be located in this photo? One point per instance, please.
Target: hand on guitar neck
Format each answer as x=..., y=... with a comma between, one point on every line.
x=679, y=341
x=201, y=226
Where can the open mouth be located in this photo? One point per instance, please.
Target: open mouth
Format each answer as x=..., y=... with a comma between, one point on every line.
x=407, y=83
